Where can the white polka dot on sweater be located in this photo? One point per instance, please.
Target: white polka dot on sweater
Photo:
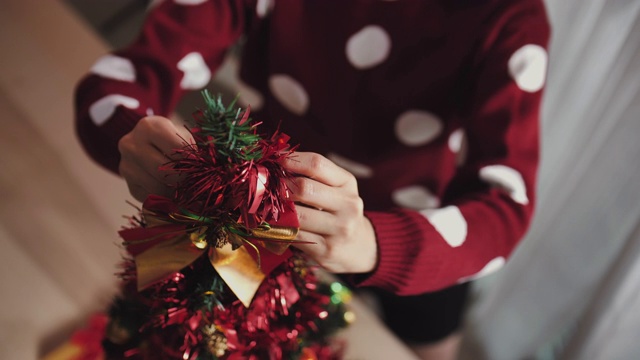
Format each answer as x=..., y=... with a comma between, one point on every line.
x=290, y=93
x=263, y=7
x=507, y=179
x=415, y=197
x=103, y=109
x=492, y=266
x=190, y=2
x=458, y=145
x=449, y=223
x=249, y=96
x=455, y=140
x=368, y=47
x=417, y=127
x=528, y=67
x=196, y=72
x=357, y=169
x=115, y=67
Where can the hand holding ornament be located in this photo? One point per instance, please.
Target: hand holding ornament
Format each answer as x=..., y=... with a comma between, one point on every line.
x=330, y=212
x=144, y=150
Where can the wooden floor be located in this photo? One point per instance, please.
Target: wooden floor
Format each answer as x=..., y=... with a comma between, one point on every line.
x=59, y=212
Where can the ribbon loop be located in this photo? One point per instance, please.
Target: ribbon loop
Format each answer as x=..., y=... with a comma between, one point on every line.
x=165, y=247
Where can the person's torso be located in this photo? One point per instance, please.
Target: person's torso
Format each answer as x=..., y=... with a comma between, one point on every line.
x=376, y=86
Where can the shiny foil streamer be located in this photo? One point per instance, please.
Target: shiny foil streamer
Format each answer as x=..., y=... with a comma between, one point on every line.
x=211, y=274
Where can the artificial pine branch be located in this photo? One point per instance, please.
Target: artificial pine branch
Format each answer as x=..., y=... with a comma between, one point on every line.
x=230, y=129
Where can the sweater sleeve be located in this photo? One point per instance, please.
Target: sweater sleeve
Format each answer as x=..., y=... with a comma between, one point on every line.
x=489, y=202
x=181, y=44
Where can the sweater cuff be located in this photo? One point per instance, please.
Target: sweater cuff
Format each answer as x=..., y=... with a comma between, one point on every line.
x=399, y=243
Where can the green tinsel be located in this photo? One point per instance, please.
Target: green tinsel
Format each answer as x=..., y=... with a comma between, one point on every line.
x=234, y=139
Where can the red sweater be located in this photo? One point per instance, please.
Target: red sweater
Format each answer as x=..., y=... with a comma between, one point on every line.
x=432, y=104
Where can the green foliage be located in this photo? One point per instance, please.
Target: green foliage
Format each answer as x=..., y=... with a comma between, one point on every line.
x=236, y=141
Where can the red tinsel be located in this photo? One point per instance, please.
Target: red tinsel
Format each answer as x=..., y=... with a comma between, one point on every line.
x=231, y=189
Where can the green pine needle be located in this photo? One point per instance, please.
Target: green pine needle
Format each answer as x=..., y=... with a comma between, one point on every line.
x=236, y=142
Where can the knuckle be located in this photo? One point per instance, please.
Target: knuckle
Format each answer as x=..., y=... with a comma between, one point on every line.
x=343, y=228
x=146, y=122
x=125, y=145
x=354, y=204
x=328, y=254
x=359, y=205
x=306, y=187
x=317, y=162
x=151, y=125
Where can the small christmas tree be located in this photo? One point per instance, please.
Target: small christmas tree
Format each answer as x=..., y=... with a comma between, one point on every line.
x=211, y=274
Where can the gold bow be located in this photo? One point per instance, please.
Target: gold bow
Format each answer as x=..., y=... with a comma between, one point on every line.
x=173, y=249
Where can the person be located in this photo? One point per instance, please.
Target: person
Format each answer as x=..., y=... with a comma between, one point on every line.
x=417, y=122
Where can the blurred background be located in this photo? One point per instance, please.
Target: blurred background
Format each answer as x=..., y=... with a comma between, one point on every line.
x=570, y=291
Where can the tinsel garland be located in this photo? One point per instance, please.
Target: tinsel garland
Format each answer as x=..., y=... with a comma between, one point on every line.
x=231, y=194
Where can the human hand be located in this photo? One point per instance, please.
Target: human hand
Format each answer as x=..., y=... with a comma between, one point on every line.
x=330, y=212
x=143, y=150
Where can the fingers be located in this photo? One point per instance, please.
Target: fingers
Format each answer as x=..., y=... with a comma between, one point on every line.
x=139, y=157
x=315, y=221
x=312, y=244
x=144, y=150
x=161, y=133
x=331, y=215
x=321, y=196
x=321, y=184
x=142, y=182
x=313, y=193
x=170, y=138
x=357, y=253
x=165, y=138
x=317, y=167
x=138, y=192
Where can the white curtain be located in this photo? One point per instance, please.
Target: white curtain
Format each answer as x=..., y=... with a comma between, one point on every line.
x=571, y=290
